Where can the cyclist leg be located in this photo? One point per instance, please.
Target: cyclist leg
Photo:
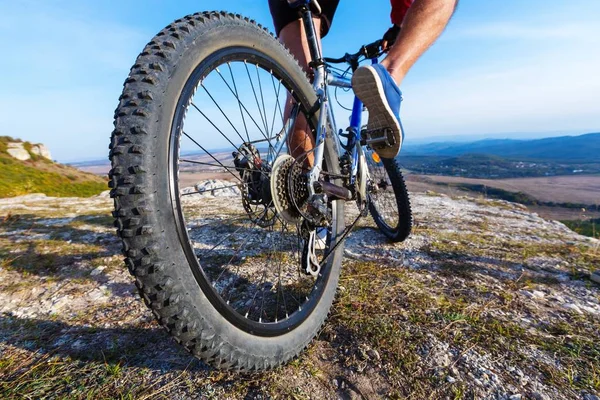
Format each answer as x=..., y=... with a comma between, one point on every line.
x=301, y=141
x=378, y=85
x=424, y=22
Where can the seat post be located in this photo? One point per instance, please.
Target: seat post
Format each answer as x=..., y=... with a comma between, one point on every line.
x=311, y=35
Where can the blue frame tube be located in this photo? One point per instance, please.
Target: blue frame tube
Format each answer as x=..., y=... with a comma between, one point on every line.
x=356, y=116
x=355, y=125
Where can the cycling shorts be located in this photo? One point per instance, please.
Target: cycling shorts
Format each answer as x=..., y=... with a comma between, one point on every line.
x=283, y=14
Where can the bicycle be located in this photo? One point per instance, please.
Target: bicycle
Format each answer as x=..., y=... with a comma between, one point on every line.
x=243, y=279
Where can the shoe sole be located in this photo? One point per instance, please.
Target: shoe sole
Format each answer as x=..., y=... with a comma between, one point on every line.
x=367, y=87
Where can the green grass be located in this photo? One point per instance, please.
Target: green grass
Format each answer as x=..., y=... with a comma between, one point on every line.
x=397, y=313
x=590, y=227
x=39, y=175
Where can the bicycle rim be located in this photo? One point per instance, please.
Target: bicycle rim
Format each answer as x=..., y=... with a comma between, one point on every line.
x=245, y=258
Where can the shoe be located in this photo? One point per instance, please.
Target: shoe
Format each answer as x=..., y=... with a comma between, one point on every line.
x=374, y=86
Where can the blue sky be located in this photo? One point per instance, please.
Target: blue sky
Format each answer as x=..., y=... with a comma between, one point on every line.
x=502, y=66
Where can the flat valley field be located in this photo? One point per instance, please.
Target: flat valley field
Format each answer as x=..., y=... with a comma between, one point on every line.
x=583, y=189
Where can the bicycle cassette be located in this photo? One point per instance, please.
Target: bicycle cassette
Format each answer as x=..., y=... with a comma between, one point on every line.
x=288, y=188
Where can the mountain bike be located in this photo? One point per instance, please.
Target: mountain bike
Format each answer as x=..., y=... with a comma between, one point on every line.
x=235, y=245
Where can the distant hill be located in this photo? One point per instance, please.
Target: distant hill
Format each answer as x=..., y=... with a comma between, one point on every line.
x=576, y=149
x=27, y=168
x=492, y=166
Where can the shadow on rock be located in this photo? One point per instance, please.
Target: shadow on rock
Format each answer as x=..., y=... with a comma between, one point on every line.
x=148, y=347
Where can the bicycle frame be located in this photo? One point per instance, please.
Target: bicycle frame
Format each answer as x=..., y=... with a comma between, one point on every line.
x=323, y=78
x=337, y=80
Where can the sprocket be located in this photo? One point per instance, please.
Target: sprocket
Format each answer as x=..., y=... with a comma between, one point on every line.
x=288, y=188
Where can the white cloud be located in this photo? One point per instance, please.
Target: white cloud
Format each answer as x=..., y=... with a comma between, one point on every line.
x=551, y=91
x=521, y=32
x=543, y=77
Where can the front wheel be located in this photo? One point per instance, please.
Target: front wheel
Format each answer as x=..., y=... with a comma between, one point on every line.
x=197, y=132
x=389, y=203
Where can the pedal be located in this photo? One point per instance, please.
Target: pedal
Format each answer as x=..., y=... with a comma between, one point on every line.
x=378, y=138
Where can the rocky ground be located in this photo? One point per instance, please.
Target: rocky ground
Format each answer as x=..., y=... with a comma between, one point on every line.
x=484, y=300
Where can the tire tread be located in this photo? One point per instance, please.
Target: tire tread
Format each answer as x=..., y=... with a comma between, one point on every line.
x=135, y=220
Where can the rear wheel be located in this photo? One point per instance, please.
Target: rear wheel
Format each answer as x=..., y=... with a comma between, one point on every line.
x=197, y=131
x=389, y=203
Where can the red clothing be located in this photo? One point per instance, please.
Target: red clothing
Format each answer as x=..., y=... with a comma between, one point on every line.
x=399, y=10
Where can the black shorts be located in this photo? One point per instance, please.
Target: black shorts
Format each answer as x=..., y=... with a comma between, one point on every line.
x=283, y=14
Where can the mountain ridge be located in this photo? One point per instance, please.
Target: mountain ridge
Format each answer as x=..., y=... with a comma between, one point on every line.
x=580, y=148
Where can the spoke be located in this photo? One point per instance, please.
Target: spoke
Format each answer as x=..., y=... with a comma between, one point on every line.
x=274, y=253
x=222, y=112
x=238, y=99
x=243, y=106
x=226, y=167
x=221, y=221
x=212, y=123
x=208, y=190
x=262, y=281
x=280, y=288
x=210, y=155
x=283, y=230
x=298, y=252
x=262, y=99
x=262, y=118
x=282, y=295
x=276, y=106
x=234, y=254
x=237, y=270
x=207, y=252
x=277, y=102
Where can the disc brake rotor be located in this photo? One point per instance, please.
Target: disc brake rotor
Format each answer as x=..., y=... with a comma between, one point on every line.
x=256, y=194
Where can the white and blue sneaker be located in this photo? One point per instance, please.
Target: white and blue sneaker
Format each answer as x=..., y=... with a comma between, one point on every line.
x=374, y=86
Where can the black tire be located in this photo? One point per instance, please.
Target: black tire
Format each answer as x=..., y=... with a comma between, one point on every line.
x=144, y=195
x=397, y=222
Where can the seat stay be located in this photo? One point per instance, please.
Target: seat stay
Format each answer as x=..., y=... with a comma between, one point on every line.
x=320, y=86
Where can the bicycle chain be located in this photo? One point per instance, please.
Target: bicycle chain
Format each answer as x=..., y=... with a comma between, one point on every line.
x=346, y=232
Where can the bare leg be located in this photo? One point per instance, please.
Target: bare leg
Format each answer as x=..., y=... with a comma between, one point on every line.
x=423, y=24
x=293, y=36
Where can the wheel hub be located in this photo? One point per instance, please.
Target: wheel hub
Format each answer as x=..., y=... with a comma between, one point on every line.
x=256, y=192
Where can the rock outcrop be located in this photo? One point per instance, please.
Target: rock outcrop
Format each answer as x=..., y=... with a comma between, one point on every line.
x=41, y=150
x=213, y=188
x=19, y=151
